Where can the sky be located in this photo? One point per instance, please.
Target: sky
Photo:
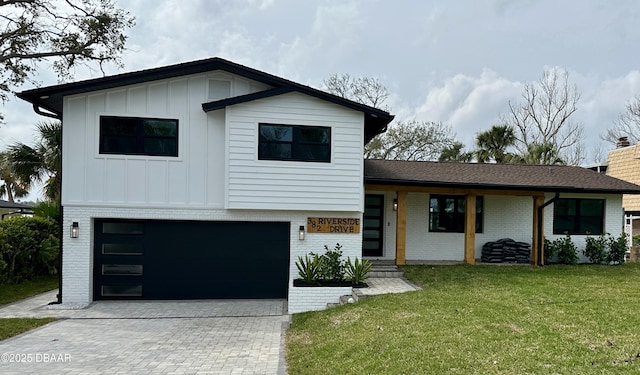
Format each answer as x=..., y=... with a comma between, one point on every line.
x=456, y=62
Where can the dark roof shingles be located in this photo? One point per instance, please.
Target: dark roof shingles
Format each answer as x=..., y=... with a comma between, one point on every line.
x=552, y=178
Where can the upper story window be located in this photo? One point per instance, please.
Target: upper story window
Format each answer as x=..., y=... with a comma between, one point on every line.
x=294, y=142
x=447, y=212
x=578, y=216
x=138, y=136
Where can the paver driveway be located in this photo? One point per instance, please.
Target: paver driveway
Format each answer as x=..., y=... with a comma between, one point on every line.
x=173, y=337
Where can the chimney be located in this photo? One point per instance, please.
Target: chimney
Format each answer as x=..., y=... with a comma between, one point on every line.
x=623, y=142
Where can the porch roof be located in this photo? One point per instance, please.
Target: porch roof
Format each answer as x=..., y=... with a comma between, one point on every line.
x=543, y=178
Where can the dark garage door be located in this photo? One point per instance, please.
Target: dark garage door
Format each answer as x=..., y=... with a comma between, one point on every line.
x=190, y=259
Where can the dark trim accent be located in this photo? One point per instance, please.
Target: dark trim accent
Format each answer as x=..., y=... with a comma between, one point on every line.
x=219, y=104
x=539, y=188
x=50, y=98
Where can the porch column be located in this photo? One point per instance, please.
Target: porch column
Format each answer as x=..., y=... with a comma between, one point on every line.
x=401, y=228
x=538, y=201
x=470, y=229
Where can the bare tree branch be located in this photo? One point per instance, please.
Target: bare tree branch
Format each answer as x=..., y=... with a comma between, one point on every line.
x=627, y=124
x=543, y=120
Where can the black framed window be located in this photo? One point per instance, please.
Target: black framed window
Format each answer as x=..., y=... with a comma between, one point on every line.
x=447, y=212
x=138, y=136
x=578, y=216
x=294, y=143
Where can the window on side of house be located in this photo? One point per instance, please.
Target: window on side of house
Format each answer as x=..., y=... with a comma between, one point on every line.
x=138, y=136
x=578, y=216
x=294, y=143
x=447, y=213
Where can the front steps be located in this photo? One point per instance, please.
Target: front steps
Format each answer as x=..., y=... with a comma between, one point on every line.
x=384, y=269
x=379, y=269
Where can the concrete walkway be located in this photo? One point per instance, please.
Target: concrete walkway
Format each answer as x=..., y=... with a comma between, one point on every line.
x=157, y=337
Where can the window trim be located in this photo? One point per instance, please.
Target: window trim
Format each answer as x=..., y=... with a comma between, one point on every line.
x=293, y=143
x=139, y=155
x=578, y=216
x=457, y=198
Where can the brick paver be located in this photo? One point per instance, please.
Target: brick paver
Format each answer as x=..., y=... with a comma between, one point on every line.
x=157, y=337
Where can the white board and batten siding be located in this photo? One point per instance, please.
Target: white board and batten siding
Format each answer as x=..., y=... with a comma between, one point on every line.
x=194, y=179
x=293, y=185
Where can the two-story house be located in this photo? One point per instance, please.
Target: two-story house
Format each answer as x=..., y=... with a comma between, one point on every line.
x=209, y=179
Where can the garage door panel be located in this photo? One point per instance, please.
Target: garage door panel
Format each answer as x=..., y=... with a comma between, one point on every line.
x=183, y=260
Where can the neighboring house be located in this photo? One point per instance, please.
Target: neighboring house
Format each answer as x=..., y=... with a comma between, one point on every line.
x=8, y=209
x=195, y=180
x=415, y=211
x=209, y=179
x=624, y=163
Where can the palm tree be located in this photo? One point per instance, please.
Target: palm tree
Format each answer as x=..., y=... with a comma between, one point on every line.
x=43, y=161
x=493, y=144
x=12, y=186
x=454, y=153
x=540, y=154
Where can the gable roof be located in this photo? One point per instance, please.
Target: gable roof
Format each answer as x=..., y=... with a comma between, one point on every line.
x=50, y=98
x=546, y=178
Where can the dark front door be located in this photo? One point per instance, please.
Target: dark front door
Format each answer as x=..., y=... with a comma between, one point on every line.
x=156, y=259
x=373, y=225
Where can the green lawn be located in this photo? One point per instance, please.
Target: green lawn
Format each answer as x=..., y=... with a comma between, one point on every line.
x=479, y=320
x=12, y=293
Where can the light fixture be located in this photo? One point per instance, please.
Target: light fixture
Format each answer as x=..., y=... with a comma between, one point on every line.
x=301, y=233
x=395, y=205
x=75, y=230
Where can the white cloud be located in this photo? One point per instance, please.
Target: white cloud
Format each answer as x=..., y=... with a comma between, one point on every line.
x=469, y=104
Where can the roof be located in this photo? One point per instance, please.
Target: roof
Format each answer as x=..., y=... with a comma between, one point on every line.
x=13, y=205
x=50, y=98
x=544, y=178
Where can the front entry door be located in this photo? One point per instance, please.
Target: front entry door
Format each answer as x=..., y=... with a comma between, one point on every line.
x=373, y=225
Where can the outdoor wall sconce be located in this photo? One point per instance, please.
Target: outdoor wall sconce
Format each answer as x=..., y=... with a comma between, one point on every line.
x=301, y=233
x=75, y=230
x=395, y=205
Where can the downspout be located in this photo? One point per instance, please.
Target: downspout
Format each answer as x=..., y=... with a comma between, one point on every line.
x=541, y=229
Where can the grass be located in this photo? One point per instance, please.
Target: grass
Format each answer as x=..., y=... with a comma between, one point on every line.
x=12, y=293
x=481, y=320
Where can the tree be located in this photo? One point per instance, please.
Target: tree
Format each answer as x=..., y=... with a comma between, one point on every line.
x=66, y=33
x=411, y=140
x=493, y=143
x=627, y=124
x=544, y=117
x=365, y=90
x=11, y=185
x=538, y=154
x=43, y=160
x=454, y=153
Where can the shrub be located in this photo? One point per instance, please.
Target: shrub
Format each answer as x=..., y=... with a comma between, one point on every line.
x=357, y=271
x=331, y=265
x=596, y=249
x=28, y=247
x=617, y=249
x=550, y=250
x=566, y=250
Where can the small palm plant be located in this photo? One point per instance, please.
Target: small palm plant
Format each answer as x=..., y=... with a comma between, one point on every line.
x=357, y=271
